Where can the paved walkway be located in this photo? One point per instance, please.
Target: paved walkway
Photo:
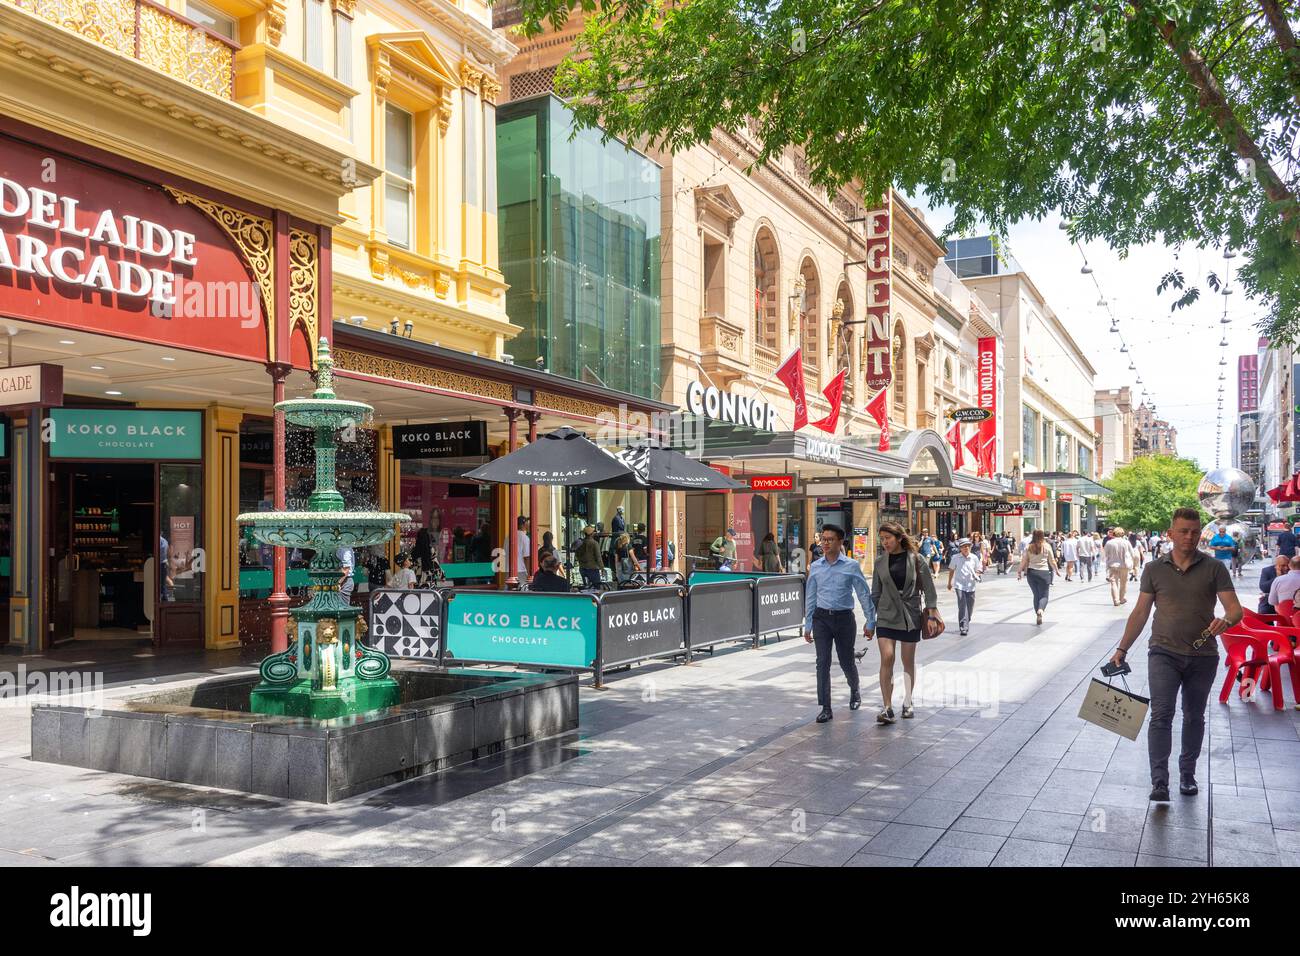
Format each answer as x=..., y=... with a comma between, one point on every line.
x=721, y=763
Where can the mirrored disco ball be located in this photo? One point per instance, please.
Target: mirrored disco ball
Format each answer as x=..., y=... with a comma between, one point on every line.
x=1226, y=492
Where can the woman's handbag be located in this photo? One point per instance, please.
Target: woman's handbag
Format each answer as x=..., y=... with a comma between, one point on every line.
x=925, y=630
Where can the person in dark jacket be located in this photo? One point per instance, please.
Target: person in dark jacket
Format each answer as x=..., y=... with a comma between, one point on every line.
x=1281, y=564
x=1286, y=543
x=549, y=576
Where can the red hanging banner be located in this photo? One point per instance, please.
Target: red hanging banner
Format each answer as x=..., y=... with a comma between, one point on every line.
x=834, y=393
x=791, y=375
x=973, y=446
x=877, y=343
x=877, y=408
x=988, y=400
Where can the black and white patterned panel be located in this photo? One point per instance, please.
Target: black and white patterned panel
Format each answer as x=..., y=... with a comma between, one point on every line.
x=406, y=623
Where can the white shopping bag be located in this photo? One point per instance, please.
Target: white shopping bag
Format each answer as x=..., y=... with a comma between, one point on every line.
x=1119, y=711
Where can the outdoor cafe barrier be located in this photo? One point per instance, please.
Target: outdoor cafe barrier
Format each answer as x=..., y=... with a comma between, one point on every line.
x=580, y=631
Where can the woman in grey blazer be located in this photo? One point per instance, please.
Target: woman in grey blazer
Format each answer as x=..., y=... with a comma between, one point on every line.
x=898, y=583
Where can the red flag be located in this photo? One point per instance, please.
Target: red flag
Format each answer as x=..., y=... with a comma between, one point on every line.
x=834, y=393
x=878, y=410
x=954, y=439
x=986, y=457
x=1274, y=494
x=1289, y=489
x=791, y=375
x=973, y=446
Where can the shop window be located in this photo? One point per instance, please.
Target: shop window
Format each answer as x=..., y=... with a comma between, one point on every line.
x=180, y=510
x=399, y=175
x=810, y=319
x=1028, y=437
x=900, y=368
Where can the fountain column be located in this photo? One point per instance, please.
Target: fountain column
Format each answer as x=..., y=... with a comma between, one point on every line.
x=279, y=599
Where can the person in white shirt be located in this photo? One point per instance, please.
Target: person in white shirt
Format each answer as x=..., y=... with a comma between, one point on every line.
x=1117, y=554
x=963, y=574
x=1285, y=586
x=404, y=577
x=1070, y=554
x=1087, y=548
x=523, y=548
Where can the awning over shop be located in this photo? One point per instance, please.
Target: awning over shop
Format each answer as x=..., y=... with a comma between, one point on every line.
x=1069, y=483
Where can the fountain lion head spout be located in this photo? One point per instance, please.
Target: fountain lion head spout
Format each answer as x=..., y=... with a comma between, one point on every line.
x=326, y=671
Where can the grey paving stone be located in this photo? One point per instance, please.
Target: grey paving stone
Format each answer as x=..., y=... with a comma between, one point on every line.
x=962, y=840
x=1059, y=800
x=827, y=847
x=940, y=855
x=876, y=860
x=903, y=840
x=932, y=813
x=1180, y=842
x=1000, y=828
x=999, y=806
x=1030, y=853
x=1239, y=856
x=575, y=858
x=751, y=851
x=1048, y=827
x=1097, y=856
x=1147, y=859
x=1257, y=837
x=1241, y=809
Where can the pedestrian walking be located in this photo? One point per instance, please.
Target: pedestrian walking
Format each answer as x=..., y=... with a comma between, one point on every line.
x=930, y=551
x=1286, y=543
x=1038, y=563
x=1117, y=555
x=899, y=581
x=1222, y=544
x=833, y=580
x=590, y=561
x=1238, y=554
x=1182, y=657
x=1087, y=548
x=1070, y=554
x=963, y=574
x=769, y=554
x=1001, y=551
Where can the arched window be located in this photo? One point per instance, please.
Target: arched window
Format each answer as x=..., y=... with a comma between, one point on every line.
x=767, y=271
x=900, y=367
x=810, y=317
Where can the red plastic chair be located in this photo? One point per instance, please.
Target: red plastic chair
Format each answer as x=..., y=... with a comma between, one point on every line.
x=1286, y=609
x=1280, y=652
x=1247, y=655
x=1255, y=619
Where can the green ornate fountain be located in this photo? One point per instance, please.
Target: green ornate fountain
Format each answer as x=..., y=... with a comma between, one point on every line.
x=326, y=671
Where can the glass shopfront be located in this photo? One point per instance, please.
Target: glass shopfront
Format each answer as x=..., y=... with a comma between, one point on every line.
x=126, y=525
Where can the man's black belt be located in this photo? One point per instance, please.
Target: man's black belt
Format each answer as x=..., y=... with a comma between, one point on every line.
x=828, y=611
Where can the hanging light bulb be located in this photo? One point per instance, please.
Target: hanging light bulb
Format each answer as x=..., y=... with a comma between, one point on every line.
x=1227, y=290
x=1065, y=224
x=1101, y=303
x=1139, y=379
x=1086, y=270
x=1114, y=325
x=1225, y=321
x=1223, y=361
x=1223, y=344
x=1132, y=367
x=1228, y=253
x=1123, y=348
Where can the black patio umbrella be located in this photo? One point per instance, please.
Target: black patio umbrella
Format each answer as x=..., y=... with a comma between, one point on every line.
x=563, y=457
x=663, y=469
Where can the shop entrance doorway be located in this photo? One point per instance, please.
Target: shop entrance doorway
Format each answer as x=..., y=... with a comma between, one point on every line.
x=125, y=556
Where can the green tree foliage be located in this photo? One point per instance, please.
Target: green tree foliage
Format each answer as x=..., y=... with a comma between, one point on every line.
x=1140, y=120
x=1146, y=492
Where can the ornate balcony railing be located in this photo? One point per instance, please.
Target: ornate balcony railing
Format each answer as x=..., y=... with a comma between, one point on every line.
x=150, y=33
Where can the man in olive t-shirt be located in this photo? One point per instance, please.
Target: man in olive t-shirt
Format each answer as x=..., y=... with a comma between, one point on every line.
x=1183, y=654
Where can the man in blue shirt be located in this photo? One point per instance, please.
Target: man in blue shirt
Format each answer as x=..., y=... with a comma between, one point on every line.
x=1223, y=543
x=833, y=579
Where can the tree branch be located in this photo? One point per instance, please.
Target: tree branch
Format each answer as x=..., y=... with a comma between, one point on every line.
x=1212, y=98
x=1277, y=20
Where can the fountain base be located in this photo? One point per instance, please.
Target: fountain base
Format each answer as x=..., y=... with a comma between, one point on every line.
x=351, y=696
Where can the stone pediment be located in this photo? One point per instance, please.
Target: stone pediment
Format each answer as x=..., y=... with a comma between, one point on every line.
x=717, y=208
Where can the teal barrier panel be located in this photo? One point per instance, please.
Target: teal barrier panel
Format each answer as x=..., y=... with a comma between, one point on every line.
x=256, y=582
x=527, y=628
x=704, y=577
x=454, y=571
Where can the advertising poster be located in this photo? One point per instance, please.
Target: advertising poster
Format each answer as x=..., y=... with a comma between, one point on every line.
x=528, y=628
